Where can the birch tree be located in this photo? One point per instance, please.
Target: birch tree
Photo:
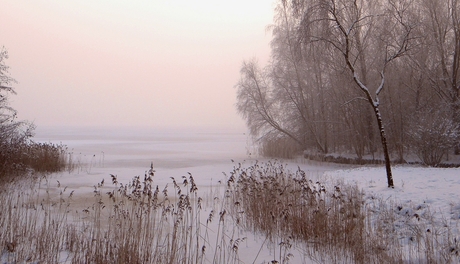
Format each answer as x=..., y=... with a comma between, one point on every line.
x=264, y=114
x=296, y=82
x=368, y=36
x=279, y=100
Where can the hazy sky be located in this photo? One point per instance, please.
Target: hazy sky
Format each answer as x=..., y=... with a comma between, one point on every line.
x=119, y=62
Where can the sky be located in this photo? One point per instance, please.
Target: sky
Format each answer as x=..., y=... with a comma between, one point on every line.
x=131, y=63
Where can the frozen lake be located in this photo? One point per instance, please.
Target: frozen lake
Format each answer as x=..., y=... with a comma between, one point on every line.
x=128, y=152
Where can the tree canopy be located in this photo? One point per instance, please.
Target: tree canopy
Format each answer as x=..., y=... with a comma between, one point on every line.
x=348, y=76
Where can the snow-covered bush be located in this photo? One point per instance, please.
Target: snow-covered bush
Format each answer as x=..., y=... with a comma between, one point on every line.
x=432, y=134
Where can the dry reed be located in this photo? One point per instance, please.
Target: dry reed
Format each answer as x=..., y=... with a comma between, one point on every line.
x=139, y=222
x=331, y=223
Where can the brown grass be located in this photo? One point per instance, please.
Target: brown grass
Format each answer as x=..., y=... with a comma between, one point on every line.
x=131, y=223
x=331, y=223
x=139, y=222
x=17, y=159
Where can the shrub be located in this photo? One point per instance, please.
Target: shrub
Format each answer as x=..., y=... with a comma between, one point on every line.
x=432, y=135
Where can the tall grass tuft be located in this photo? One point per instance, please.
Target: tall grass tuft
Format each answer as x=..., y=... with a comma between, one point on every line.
x=136, y=222
x=332, y=223
x=46, y=157
x=17, y=158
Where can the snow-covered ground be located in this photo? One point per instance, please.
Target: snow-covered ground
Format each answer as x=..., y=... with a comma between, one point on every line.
x=424, y=200
x=418, y=189
x=429, y=196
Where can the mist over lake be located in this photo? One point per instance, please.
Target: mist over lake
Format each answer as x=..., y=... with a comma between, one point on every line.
x=132, y=150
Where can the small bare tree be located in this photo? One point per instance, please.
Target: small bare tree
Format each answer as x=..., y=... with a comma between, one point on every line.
x=368, y=36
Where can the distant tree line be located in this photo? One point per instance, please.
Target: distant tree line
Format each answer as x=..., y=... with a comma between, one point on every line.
x=18, y=153
x=356, y=76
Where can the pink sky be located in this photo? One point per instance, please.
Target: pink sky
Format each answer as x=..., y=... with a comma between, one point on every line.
x=131, y=63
